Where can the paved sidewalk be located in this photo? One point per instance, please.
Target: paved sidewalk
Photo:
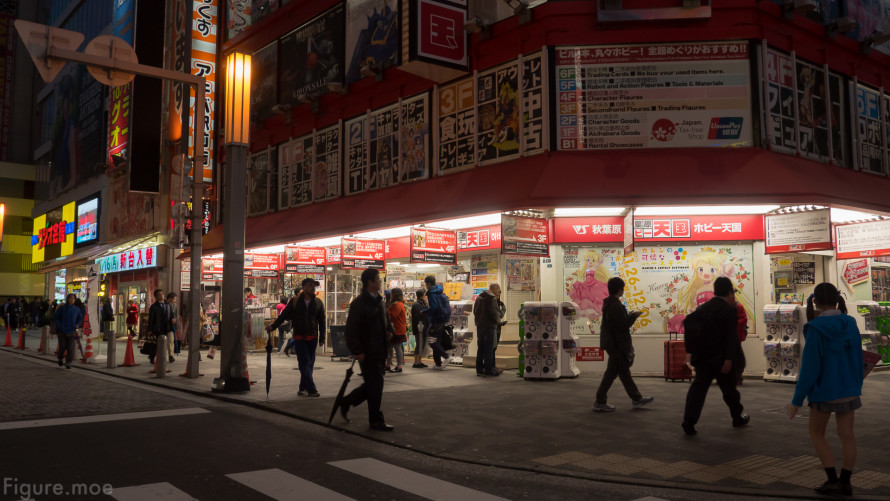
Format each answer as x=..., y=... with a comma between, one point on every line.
x=548, y=426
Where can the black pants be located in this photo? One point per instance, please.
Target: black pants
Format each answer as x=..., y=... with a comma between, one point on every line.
x=695, y=398
x=371, y=390
x=67, y=344
x=619, y=366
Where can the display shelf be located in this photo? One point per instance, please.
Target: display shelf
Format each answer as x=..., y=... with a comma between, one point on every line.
x=783, y=345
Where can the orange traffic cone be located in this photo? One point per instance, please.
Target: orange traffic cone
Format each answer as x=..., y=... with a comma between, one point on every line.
x=40, y=349
x=21, y=345
x=129, y=359
x=245, y=372
x=8, y=336
x=88, y=352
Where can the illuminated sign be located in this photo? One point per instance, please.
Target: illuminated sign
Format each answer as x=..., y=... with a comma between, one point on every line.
x=87, y=221
x=136, y=259
x=53, y=235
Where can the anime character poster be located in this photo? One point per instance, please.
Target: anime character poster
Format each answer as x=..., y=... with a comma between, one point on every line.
x=414, y=138
x=326, y=166
x=383, y=164
x=373, y=35
x=312, y=57
x=498, y=104
x=258, y=184
x=264, y=84
x=586, y=272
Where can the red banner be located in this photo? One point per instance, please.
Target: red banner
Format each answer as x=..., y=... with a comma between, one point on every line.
x=262, y=261
x=484, y=238
x=856, y=272
x=587, y=229
x=360, y=254
x=332, y=255
x=698, y=228
x=304, y=260
x=433, y=246
x=590, y=354
x=525, y=236
x=398, y=248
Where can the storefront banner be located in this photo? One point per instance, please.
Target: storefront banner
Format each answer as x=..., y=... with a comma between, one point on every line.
x=205, y=26
x=863, y=239
x=262, y=261
x=590, y=354
x=676, y=95
x=871, y=139
x=398, y=248
x=628, y=239
x=666, y=283
x=373, y=36
x=525, y=236
x=856, y=272
x=326, y=164
x=295, y=172
x=129, y=260
x=587, y=229
x=359, y=254
x=433, y=246
x=477, y=239
x=698, y=228
x=258, y=183
x=798, y=231
x=332, y=255
x=54, y=234
x=304, y=260
x=316, y=51
x=211, y=269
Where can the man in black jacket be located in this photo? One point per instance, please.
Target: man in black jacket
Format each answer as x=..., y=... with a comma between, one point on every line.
x=159, y=323
x=306, y=313
x=366, y=337
x=486, y=316
x=718, y=356
x=419, y=329
x=615, y=339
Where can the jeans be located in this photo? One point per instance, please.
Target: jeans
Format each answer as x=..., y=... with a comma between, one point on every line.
x=371, y=390
x=433, y=331
x=306, y=362
x=281, y=334
x=695, y=398
x=485, y=346
x=395, y=349
x=619, y=366
x=67, y=344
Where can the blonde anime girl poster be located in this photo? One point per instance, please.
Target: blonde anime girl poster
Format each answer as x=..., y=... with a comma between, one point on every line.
x=587, y=270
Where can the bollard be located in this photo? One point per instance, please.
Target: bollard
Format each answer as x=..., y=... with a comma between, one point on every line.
x=161, y=357
x=112, y=346
x=44, y=340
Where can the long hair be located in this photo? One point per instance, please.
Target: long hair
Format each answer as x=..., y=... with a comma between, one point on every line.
x=396, y=296
x=825, y=295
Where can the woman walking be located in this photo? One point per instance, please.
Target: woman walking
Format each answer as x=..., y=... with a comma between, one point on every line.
x=831, y=380
x=132, y=318
x=399, y=320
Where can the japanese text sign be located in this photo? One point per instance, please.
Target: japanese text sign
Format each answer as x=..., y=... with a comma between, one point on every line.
x=304, y=260
x=587, y=229
x=590, y=354
x=698, y=228
x=204, y=39
x=863, y=239
x=130, y=260
x=358, y=254
x=485, y=238
x=856, y=272
x=798, y=232
x=261, y=261
x=525, y=236
x=433, y=246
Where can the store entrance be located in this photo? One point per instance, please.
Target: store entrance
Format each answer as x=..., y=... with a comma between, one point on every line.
x=138, y=292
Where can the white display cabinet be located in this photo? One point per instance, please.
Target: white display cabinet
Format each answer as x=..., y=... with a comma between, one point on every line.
x=542, y=340
x=784, y=341
x=568, y=341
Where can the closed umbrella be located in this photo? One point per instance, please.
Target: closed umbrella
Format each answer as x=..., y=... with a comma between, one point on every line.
x=268, y=365
x=337, y=400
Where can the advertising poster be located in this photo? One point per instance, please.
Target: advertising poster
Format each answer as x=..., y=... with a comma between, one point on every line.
x=665, y=282
x=383, y=161
x=812, y=112
x=486, y=238
x=87, y=222
x=497, y=98
x=520, y=274
x=863, y=239
x=870, y=16
x=804, y=273
x=870, y=136
x=261, y=265
x=674, y=95
x=312, y=57
x=856, y=272
x=457, y=126
x=326, y=164
x=525, y=236
x=205, y=36
x=356, y=168
x=332, y=255
x=798, y=232
x=433, y=246
x=309, y=260
x=128, y=214
x=414, y=138
x=258, y=183
x=483, y=272
x=373, y=36
x=359, y=254
x=535, y=126
x=119, y=107
x=295, y=172
x=263, y=83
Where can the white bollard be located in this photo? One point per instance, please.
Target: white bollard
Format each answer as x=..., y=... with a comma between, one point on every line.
x=161, y=357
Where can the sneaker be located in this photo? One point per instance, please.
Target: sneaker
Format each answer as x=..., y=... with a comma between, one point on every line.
x=642, y=401
x=389, y=369
x=302, y=393
x=481, y=374
x=418, y=366
x=314, y=394
x=688, y=428
x=397, y=369
x=439, y=367
x=742, y=421
x=603, y=408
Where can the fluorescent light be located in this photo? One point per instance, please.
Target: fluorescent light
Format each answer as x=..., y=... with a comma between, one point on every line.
x=274, y=249
x=704, y=210
x=846, y=215
x=319, y=242
x=468, y=222
x=589, y=211
x=427, y=265
x=329, y=268
x=395, y=263
x=401, y=231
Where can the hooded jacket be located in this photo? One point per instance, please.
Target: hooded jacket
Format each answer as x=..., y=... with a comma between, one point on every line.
x=434, y=298
x=485, y=310
x=831, y=366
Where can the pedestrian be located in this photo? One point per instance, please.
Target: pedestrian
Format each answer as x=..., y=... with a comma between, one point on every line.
x=366, y=338
x=25, y=308
x=502, y=313
x=831, y=380
x=742, y=331
x=107, y=315
x=35, y=312
x=399, y=320
x=158, y=325
x=132, y=318
x=83, y=307
x=418, y=327
x=68, y=318
x=6, y=310
x=307, y=318
x=44, y=310
x=615, y=339
x=285, y=326
x=711, y=338
x=487, y=316
x=13, y=314
x=437, y=314
x=173, y=342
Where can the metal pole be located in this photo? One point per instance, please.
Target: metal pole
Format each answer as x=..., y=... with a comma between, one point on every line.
x=234, y=219
x=194, y=334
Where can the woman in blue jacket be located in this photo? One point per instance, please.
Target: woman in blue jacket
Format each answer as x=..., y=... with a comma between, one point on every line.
x=831, y=380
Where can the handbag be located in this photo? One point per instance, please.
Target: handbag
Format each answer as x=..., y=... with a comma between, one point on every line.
x=446, y=338
x=207, y=333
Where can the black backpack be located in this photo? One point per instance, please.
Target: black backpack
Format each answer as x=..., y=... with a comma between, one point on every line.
x=694, y=326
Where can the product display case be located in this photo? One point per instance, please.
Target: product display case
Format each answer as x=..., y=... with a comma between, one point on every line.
x=569, y=341
x=783, y=345
x=542, y=343
x=871, y=317
x=463, y=330
x=341, y=287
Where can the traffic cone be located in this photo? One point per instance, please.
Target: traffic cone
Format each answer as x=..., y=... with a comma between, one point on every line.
x=246, y=373
x=88, y=352
x=8, y=336
x=129, y=359
x=40, y=349
x=21, y=345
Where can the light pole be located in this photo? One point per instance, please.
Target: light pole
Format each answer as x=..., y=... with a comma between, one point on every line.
x=237, y=139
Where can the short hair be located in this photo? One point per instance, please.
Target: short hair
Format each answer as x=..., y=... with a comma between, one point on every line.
x=615, y=285
x=297, y=290
x=155, y=293
x=420, y=293
x=171, y=295
x=247, y=289
x=368, y=275
x=494, y=286
x=723, y=287
x=430, y=280
x=397, y=295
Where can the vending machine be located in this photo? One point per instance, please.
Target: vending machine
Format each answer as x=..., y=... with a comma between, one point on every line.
x=463, y=331
x=783, y=345
x=542, y=342
x=568, y=341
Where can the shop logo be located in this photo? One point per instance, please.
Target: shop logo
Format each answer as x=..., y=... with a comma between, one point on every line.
x=580, y=229
x=663, y=130
x=54, y=234
x=725, y=128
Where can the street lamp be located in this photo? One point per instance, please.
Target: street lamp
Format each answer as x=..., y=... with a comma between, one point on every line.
x=237, y=139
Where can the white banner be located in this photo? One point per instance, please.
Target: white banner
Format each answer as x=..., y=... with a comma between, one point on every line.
x=798, y=231
x=863, y=239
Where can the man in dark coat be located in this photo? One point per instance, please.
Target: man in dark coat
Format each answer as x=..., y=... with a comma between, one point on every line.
x=366, y=337
x=615, y=339
x=717, y=354
x=487, y=316
x=159, y=323
x=306, y=313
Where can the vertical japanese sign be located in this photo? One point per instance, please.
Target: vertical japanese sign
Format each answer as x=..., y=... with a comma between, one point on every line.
x=871, y=137
x=295, y=172
x=526, y=236
x=7, y=60
x=373, y=35
x=798, y=232
x=433, y=246
x=534, y=94
x=780, y=101
x=383, y=164
x=205, y=29
x=414, y=140
x=628, y=232
x=180, y=43
x=119, y=109
x=457, y=126
x=315, y=52
x=356, y=168
x=326, y=164
x=497, y=98
x=360, y=254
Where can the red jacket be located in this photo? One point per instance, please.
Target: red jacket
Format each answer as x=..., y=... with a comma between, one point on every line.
x=743, y=322
x=132, y=315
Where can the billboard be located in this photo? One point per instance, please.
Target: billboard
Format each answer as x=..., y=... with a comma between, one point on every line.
x=358, y=254
x=54, y=233
x=433, y=246
x=87, y=232
x=373, y=36
x=526, y=236
x=312, y=57
x=310, y=260
x=205, y=36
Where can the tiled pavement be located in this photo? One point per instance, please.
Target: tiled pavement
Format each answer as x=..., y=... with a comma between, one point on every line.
x=548, y=425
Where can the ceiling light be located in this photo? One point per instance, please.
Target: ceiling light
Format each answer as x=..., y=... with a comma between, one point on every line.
x=846, y=215
x=589, y=211
x=319, y=242
x=468, y=222
x=704, y=210
x=274, y=249
x=401, y=231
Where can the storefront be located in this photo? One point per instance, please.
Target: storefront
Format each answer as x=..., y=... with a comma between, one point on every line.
x=132, y=275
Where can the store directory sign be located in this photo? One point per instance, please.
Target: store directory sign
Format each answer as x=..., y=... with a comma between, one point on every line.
x=261, y=265
x=525, y=236
x=359, y=254
x=863, y=239
x=304, y=260
x=798, y=231
x=433, y=246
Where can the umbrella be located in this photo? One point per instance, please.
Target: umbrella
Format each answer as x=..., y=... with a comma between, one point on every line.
x=337, y=400
x=268, y=365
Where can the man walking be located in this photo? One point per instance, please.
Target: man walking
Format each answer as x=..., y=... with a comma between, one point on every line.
x=487, y=316
x=615, y=339
x=436, y=316
x=306, y=314
x=158, y=323
x=67, y=318
x=172, y=341
x=713, y=342
x=366, y=337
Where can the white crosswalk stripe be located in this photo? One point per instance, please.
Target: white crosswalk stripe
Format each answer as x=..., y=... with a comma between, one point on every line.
x=160, y=491
x=409, y=481
x=280, y=485
x=650, y=498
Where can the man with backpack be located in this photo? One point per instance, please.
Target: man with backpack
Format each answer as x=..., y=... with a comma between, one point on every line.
x=437, y=315
x=711, y=339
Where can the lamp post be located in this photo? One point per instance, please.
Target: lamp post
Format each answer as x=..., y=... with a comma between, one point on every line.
x=237, y=139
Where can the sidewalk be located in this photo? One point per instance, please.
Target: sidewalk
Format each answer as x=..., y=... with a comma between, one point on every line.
x=548, y=426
